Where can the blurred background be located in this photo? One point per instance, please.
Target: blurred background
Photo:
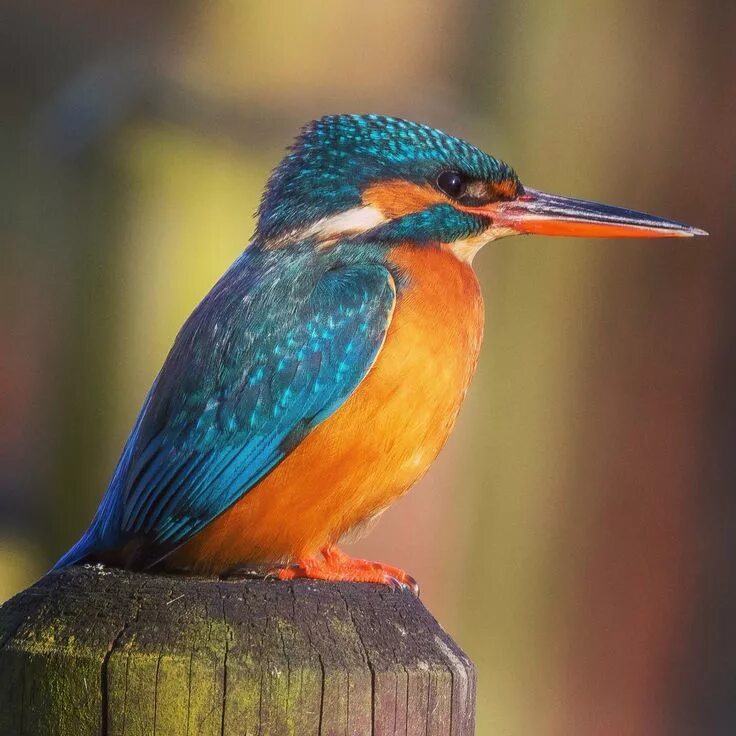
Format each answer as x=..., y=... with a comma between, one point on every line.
x=577, y=535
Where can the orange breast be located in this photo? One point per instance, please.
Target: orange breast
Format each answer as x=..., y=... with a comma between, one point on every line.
x=378, y=443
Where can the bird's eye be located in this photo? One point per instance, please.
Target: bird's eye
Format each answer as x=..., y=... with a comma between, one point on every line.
x=451, y=183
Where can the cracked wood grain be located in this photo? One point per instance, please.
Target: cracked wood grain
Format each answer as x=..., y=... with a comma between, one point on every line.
x=102, y=652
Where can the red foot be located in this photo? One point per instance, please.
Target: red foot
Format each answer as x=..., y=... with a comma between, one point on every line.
x=337, y=566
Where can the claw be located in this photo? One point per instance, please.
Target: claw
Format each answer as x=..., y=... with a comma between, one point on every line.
x=407, y=583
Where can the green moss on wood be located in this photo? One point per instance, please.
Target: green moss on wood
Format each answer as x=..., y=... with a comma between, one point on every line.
x=93, y=651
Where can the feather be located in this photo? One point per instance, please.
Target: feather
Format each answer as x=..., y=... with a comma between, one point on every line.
x=260, y=363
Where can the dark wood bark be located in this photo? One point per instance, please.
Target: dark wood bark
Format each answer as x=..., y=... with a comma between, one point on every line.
x=101, y=651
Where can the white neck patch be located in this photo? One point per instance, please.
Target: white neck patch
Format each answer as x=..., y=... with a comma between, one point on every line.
x=353, y=221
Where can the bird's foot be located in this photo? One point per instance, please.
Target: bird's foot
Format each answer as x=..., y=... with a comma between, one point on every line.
x=335, y=565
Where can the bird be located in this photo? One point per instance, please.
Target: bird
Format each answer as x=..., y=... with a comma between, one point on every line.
x=318, y=380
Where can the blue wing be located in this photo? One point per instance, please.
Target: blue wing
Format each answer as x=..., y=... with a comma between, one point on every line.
x=247, y=379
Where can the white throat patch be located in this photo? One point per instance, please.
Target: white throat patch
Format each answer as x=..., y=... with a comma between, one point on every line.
x=467, y=248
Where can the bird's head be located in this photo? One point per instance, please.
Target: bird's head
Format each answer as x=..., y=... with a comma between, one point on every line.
x=392, y=181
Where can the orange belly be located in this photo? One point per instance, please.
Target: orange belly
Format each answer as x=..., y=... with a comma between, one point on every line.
x=378, y=443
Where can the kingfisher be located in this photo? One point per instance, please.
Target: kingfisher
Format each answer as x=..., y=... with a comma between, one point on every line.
x=320, y=377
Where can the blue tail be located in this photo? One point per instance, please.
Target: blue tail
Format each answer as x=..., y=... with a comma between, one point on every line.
x=78, y=553
x=101, y=536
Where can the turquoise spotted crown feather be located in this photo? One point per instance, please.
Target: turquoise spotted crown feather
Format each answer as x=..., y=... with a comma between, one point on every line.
x=336, y=157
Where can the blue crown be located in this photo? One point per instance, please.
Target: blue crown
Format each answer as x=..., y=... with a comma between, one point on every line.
x=336, y=157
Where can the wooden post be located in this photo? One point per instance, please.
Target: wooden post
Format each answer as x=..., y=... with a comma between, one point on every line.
x=96, y=651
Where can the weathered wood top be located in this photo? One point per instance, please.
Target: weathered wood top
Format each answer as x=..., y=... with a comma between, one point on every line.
x=102, y=651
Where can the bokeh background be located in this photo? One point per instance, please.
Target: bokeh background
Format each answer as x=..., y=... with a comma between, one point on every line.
x=577, y=535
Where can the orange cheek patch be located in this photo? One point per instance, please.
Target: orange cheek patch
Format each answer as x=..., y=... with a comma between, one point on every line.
x=397, y=198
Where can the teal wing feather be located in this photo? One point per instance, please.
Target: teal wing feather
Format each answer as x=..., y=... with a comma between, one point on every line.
x=243, y=385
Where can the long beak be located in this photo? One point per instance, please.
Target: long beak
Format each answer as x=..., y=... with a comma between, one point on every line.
x=547, y=214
